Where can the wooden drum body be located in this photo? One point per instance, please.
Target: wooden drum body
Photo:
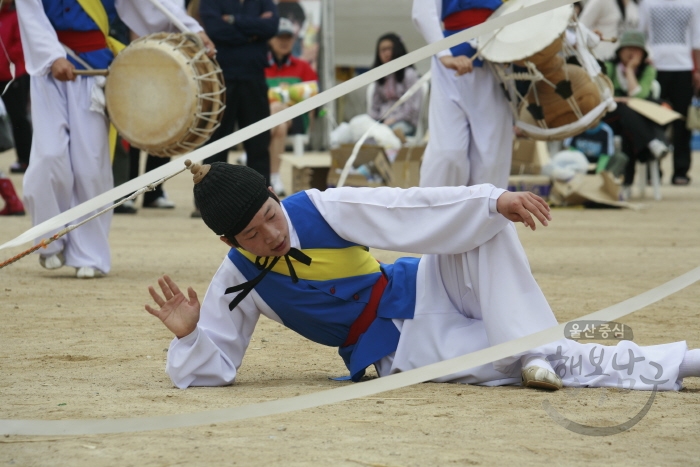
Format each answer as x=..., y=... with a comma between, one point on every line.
x=164, y=95
x=561, y=99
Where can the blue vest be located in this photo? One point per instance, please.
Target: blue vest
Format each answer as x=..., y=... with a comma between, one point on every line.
x=323, y=311
x=454, y=6
x=68, y=15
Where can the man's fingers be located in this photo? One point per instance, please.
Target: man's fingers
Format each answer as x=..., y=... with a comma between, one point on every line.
x=156, y=298
x=153, y=311
x=173, y=286
x=527, y=218
x=536, y=209
x=167, y=293
x=193, y=295
x=541, y=202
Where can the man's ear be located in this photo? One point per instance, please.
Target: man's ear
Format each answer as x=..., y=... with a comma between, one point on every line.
x=227, y=241
x=273, y=195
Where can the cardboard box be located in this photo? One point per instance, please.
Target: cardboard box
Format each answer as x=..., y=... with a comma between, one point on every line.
x=582, y=189
x=305, y=172
x=404, y=172
x=529, y=156
x=540, y=185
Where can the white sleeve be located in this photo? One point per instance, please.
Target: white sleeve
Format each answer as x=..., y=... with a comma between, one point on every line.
x=39, y=41
x=426, y=17
x=142, y=17
x=440, y=220
x=213, y=352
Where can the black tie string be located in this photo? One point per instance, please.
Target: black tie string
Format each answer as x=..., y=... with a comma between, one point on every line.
x=246, y=287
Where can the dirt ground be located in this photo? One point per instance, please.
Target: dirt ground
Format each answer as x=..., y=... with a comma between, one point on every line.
x=76, y=349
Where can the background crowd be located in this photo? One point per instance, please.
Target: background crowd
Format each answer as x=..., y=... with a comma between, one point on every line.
x=655, y=55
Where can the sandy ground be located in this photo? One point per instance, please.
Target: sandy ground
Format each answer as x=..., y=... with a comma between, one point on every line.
x=87, y=349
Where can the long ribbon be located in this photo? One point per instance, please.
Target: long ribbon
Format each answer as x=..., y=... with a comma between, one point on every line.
x=270, y=122
x=351, y=391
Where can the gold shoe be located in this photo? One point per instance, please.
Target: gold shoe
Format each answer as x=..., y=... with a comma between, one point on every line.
x=540, y=378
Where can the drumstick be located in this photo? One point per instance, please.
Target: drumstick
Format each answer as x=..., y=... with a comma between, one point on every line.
x=91, y=72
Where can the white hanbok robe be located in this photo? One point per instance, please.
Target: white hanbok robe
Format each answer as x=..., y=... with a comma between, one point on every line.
x=474, y=289
x=70, y=161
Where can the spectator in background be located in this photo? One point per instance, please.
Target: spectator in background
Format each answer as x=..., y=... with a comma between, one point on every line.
x=672, y=28
x=16, y=95
x=632, y=76
x=285, y=69
x=389, y=89
x=609, y=19
x=240, y=30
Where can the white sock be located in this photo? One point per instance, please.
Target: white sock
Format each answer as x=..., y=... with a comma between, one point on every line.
x=274, y=178
x=535, y=360
x=690, y=366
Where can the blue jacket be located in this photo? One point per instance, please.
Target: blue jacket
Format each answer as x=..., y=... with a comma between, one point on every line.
x=323, y=310
x=241, y=46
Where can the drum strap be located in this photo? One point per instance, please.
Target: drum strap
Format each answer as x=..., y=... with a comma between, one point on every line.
x=96, y=11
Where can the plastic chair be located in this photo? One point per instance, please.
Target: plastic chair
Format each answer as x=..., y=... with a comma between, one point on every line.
x=651, y=166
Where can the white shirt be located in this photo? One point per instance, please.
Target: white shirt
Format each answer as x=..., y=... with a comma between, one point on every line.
x=673, y=31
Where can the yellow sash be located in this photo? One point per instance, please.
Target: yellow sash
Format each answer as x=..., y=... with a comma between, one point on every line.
x=96, y=11
x=328, y=263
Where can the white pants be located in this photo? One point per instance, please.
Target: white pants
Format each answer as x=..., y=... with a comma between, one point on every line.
x=69, y=165
x=471, y=130
x=488, y=296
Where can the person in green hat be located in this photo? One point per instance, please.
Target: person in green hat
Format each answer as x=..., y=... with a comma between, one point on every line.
x=632, y=77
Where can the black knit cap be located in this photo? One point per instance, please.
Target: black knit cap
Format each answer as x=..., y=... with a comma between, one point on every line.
x=229, y=196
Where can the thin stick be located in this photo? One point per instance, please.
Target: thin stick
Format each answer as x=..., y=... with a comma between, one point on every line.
x=47, y=241
x=91, y=72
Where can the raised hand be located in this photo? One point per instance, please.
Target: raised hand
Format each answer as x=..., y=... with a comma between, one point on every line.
x=179, y=314
x=519, y=207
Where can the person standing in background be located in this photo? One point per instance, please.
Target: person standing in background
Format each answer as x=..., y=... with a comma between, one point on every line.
x=672, y=28
x=240, y=30
x=16, y=95
x=471, y=125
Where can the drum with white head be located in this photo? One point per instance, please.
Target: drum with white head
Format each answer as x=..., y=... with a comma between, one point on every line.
x=561, y=99
x=164, y=95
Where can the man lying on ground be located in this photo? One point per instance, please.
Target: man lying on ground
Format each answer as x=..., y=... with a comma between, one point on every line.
x=303, y=263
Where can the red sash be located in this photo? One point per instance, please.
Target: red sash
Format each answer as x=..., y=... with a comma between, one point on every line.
x=466, y=18
x=369, y=314
x=82, y=41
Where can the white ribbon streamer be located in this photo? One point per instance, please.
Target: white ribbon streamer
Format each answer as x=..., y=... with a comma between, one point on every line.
x=272, y=121
x=351, y=391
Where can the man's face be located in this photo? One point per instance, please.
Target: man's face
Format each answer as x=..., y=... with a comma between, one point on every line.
x=282, y=45
x=268, y=233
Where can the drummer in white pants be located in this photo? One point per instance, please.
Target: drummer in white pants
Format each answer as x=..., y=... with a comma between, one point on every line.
x=471, y=126
x=70, y=148
x=473, y=290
